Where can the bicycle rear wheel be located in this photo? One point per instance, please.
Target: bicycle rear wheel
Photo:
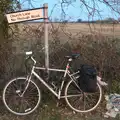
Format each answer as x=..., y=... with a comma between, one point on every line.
x=80, y=101
x=17, y=104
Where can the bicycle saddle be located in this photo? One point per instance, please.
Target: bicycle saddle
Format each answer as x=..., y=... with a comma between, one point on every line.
x=73, y=56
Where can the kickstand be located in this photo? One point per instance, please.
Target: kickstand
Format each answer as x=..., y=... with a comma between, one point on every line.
x=58, y=103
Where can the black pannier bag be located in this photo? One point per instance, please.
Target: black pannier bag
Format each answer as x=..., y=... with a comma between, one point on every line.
x=88, y=78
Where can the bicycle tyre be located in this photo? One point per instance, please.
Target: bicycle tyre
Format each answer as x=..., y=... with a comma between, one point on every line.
x=29, y=107
x=81, y=94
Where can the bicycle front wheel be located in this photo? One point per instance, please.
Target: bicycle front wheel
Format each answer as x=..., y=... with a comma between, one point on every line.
x=15, y=102
x=82, y=101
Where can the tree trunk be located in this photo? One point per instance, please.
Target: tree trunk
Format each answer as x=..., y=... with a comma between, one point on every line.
x=5, y=49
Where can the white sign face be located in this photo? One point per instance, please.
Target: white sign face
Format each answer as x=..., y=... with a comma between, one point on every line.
x=25, y=16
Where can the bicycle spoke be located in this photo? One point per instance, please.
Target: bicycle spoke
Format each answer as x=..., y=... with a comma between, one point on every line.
x=80, y=101
x=73, y=95
x=77, y=102
x=84, y=103
x=21, y=105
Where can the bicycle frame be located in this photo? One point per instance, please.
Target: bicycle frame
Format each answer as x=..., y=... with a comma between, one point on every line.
x=66, y=72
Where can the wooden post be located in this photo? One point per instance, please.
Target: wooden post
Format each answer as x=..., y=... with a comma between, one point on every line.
x=46, y=36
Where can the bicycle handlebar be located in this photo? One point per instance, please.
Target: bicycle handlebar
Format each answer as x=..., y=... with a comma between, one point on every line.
x=29, y=54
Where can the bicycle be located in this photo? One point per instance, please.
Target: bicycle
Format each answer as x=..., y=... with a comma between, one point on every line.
x=19, y=99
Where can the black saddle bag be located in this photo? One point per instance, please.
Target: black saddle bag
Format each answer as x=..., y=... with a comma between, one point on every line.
x=88, y=78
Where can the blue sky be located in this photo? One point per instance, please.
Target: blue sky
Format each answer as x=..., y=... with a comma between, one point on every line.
x=74, y=11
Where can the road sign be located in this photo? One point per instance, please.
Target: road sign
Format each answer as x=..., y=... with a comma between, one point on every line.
x=27, y=15
x=34, y=14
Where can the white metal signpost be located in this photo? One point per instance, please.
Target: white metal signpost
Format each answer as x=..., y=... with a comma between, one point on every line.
x=33, y=14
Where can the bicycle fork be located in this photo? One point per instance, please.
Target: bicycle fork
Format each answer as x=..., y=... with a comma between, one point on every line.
x=28, y=79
